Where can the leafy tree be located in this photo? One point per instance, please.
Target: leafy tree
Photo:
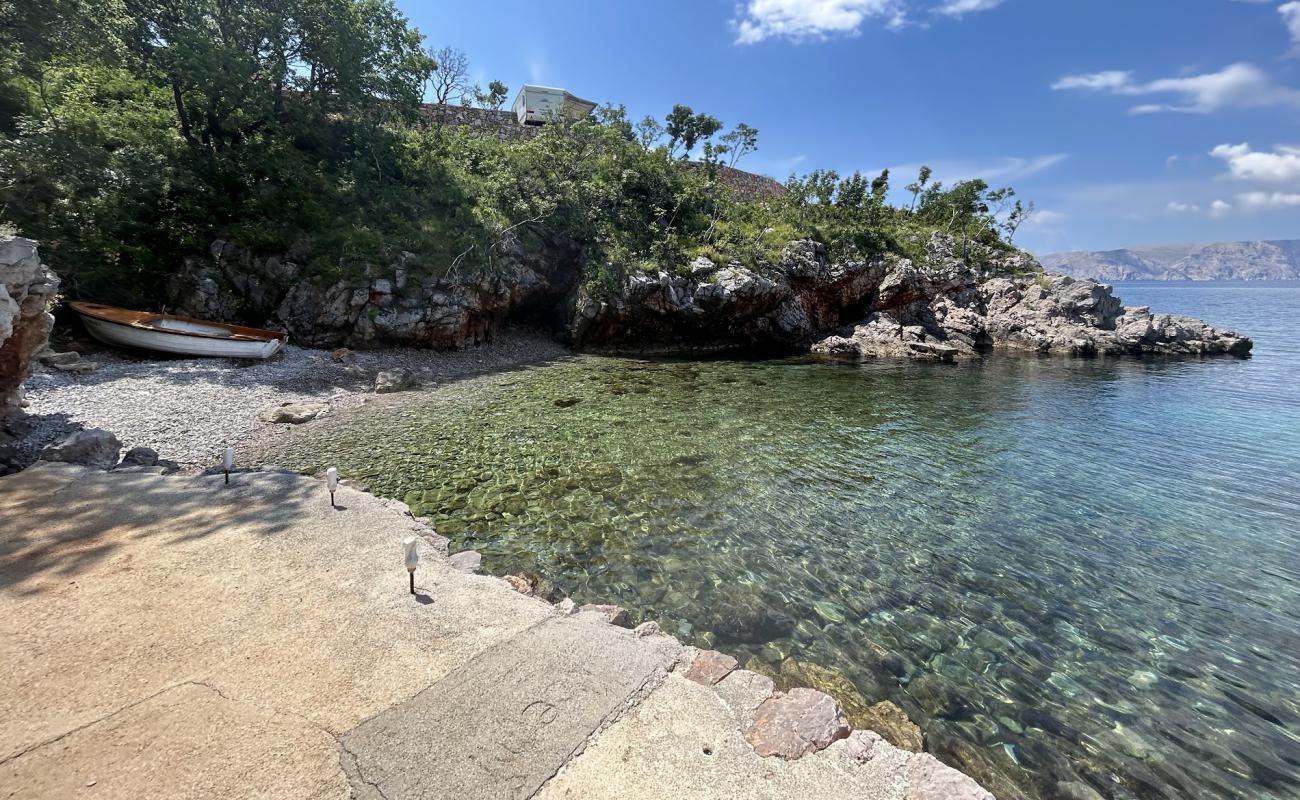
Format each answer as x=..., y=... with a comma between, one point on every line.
x=494, y=97
x=648, y=132
x=684, y=126
x=919, y=186
x=740, y=142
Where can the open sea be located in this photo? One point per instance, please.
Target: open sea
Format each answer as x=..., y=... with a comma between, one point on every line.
x=1080, y=577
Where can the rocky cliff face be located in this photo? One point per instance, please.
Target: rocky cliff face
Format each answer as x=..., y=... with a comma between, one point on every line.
x=715, y=307
x=390, y=307
x=939, y=309
x=27, y=287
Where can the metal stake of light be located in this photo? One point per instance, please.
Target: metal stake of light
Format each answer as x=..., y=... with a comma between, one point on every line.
x=332, y=482
x=229, y=462
x=412, y=558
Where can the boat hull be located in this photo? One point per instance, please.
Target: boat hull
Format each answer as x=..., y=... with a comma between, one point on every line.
x=149, y=338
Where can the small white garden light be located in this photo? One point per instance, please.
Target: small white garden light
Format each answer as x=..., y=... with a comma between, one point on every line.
x=229, y=462
x=412, y=558
x=332, y=482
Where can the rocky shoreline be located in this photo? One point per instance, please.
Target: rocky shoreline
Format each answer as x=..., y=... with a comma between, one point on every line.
x=938, y=308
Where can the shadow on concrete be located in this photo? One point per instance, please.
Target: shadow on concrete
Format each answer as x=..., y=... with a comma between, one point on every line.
x=60, y=522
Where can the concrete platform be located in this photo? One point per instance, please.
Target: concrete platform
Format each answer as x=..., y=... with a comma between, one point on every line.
x=177, y=637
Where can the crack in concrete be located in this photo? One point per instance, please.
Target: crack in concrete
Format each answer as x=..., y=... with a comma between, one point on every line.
x=637, y=696
x=92, y=723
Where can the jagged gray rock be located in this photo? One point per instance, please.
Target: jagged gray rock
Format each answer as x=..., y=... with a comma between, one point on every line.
x=943, y=312
x=93, y=447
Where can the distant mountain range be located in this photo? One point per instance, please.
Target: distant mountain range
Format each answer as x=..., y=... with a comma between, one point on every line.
x=1220, y=261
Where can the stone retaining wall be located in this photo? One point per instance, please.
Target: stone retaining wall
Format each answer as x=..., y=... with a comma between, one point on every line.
x=504, y=125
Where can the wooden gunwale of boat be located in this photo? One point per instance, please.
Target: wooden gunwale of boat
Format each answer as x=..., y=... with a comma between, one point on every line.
x=148, y=320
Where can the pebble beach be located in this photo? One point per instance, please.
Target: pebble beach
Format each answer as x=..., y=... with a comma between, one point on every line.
x=190, y=410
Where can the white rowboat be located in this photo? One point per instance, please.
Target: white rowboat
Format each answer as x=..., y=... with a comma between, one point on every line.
x=181, y=335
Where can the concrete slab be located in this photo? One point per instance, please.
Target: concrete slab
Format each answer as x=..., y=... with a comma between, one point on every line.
x=161, y=747
x=503, y=724
x=114, y=587
x=684, y=741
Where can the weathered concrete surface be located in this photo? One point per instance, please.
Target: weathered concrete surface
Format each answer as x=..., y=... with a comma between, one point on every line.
x=170, y=636
x=685, y=742
x=121, y=587
x=505, y=724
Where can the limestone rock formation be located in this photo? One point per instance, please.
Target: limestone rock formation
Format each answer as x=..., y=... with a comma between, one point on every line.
x=938, y=308
x=728, y=306
x=27, y=287
x=389, y=306
x=942, y=312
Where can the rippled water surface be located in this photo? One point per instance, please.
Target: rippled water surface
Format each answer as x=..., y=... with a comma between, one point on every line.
x=1080, y=577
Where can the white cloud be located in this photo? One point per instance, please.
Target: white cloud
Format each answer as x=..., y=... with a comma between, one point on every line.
x=1219, y=209
x=803, y=20
x=1112, y=80
x=1291, y=18
x=1046, y=218
x=1234, y=86
x=1268, y=201
x=959, y=8
x=1280, y=166
x=1182, y=208
x=812, y=19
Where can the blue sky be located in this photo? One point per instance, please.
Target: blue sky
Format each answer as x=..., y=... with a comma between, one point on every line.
x=1125, y=121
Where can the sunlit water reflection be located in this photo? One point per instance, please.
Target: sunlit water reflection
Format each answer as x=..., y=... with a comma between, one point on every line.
x=1075, y=575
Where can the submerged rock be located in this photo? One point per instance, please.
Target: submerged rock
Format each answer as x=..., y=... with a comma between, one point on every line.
x=894, y=725
x=395, y=380
x=468, y=561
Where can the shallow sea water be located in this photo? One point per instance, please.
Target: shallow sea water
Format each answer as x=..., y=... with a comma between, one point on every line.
x=1075, y=575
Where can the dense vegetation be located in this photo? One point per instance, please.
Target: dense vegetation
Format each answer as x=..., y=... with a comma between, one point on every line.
x=135, y=132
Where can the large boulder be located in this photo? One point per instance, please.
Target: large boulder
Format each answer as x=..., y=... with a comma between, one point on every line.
x=27, y=288
x=93, y=447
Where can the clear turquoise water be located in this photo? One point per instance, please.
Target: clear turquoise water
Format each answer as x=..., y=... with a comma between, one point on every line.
x=1071, y=573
